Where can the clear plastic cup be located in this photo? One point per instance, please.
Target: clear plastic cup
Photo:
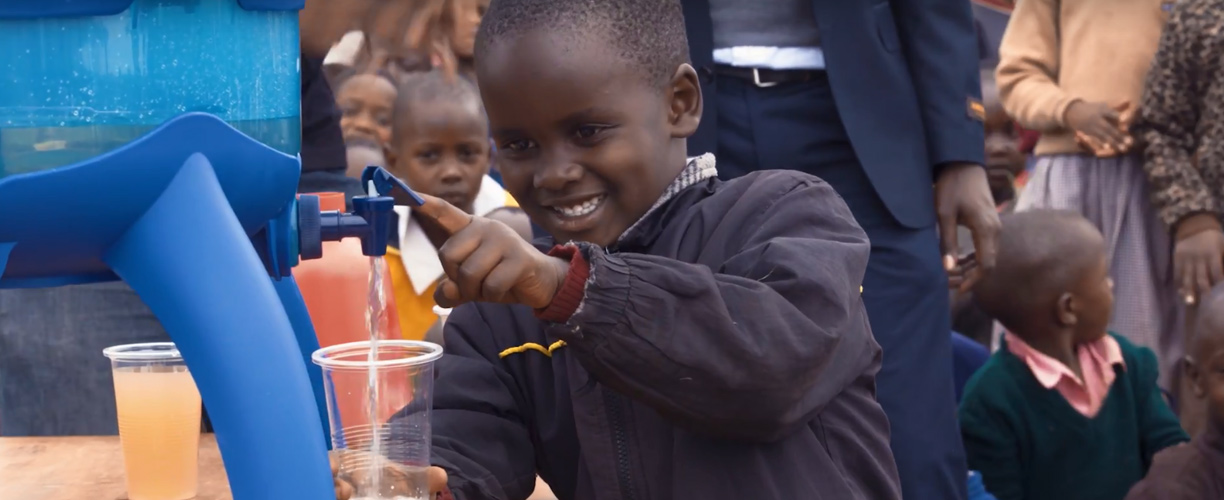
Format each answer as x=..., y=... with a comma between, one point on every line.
x=159, y=420
x=379, y=409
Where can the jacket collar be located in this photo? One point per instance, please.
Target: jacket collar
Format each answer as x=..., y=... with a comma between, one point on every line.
x=699, y=169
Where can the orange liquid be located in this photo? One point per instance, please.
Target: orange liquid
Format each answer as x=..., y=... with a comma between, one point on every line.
x=159, y=426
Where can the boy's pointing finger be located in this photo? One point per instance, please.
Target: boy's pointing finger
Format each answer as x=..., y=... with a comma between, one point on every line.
x=451, y=218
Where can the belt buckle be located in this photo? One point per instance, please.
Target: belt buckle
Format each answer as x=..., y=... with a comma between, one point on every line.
x=756, y=79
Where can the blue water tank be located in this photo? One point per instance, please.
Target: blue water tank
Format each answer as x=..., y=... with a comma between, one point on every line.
x=80, y=78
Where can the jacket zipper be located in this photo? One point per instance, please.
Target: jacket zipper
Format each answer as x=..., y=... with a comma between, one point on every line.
x=616, y=420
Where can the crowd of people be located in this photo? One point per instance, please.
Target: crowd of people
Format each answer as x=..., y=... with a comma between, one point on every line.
x=778, y=249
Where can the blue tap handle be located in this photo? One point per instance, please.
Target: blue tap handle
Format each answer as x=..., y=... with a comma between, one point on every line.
x=377, y=181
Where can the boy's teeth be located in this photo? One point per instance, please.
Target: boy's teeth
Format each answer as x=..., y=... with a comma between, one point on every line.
x=579, y=210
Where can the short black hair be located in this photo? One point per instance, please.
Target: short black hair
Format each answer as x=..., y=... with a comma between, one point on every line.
x=433, y=87
x=1041, y=255
x=647, y=33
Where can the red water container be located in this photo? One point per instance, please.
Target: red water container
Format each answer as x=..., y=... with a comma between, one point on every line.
x=336, y=288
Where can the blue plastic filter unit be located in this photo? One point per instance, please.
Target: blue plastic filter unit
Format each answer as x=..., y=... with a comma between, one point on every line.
x=72, y=88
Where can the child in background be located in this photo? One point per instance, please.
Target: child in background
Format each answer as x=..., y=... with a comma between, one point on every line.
x=687, y=338
x=1004, y=163
x=461, y=20
x=366, y=101
x=1196, y=471
x=440, y=148
x=1074, y=71
x=1064, y=409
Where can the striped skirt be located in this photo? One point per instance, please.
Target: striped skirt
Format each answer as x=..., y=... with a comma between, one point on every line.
x=1113, y=194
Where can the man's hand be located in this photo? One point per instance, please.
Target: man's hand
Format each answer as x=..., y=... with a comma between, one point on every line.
x=962, y=197
x=1100, y=126
x=395, y=478
x=487, y=261
x=1198, y=257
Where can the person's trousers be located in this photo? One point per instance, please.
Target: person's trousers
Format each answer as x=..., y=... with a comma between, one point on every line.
x=54, y=380
x=797, y=126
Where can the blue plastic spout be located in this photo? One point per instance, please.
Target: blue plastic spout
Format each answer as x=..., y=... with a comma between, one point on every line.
x=376, y=211
x=370, y=219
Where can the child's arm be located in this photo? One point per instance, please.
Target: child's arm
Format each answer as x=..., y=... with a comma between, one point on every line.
x=991, y=447
x=1028, y=67
x=1158, y=426
x=751, y=350
x=1169, y=116
x=480, y=430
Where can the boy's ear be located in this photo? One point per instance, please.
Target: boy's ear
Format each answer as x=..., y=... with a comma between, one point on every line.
x=684, y=92
x=1065, y=309
x=1195, y=374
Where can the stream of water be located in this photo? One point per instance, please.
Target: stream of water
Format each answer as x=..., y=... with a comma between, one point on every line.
x=374, y=323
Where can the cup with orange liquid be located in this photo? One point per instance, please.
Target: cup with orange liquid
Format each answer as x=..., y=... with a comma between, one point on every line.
x=159, y=420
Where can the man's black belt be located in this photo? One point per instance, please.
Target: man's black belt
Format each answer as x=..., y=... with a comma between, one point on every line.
x=763, y=77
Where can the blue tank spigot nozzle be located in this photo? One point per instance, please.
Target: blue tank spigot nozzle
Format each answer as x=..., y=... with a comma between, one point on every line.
x=376, y=211
x=369, y=220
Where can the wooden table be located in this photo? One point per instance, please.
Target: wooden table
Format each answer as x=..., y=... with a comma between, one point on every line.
x=80, y=468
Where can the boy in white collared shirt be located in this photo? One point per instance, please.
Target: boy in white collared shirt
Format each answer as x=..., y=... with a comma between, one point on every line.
x=439, y=146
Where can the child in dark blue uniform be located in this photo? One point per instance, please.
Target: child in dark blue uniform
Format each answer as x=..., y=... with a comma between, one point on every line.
x=689, y=338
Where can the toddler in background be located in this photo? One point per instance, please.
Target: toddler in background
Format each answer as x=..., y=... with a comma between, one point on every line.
x=440, y=146
x=1196, y=471
x=1064, y=409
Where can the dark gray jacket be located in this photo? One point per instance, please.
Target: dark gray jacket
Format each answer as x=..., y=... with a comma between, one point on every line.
x=721, y=352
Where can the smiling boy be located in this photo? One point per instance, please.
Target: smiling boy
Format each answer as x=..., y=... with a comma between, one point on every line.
x=689, y=338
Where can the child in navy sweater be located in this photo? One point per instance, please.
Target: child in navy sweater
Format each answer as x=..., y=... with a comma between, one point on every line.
x=1064, y=409
x=688, y=338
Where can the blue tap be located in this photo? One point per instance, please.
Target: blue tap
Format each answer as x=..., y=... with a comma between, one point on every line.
x=368, y=221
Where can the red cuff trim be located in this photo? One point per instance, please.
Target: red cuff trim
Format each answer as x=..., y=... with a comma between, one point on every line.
x=565, y=303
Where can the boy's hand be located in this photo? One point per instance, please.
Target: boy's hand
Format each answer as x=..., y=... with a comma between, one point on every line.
x=487, y=261
x=1100, y=123
x=395, y=479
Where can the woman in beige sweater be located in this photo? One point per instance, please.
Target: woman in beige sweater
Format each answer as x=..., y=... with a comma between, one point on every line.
x=1074, y=70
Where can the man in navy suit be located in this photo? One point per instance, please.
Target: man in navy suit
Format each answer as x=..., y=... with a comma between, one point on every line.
x=881, y=99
